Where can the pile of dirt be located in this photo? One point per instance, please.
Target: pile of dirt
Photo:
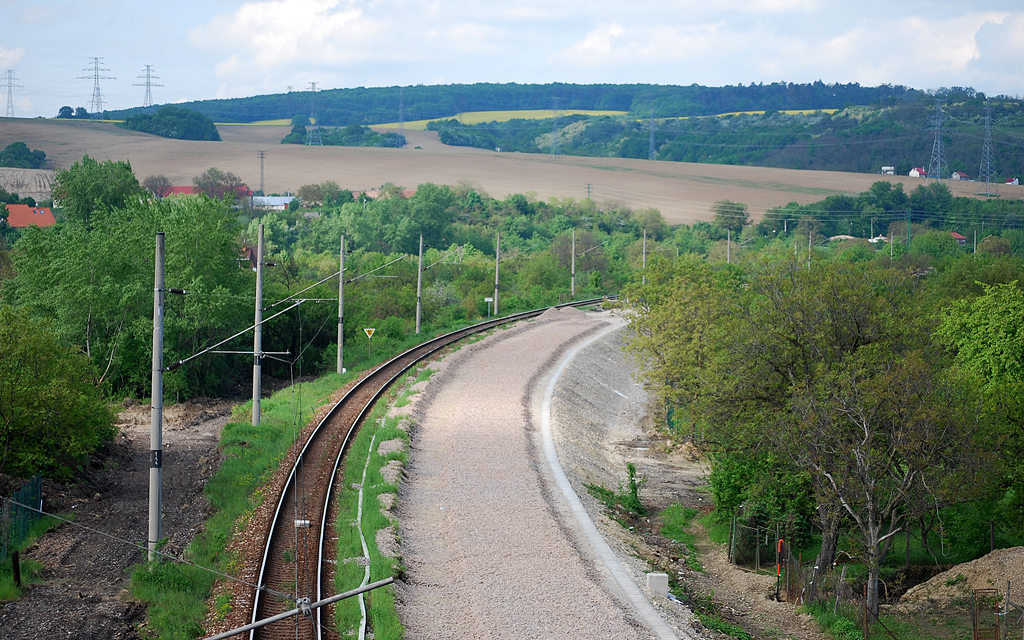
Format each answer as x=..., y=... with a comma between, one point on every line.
x=949, y=587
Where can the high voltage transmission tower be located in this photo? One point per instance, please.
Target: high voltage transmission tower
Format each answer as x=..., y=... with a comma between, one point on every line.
x=650, y=145
x=937, y=167
x=97, y=98
x=313, y=135
x=149, y=77
x=10, y=83
x=556, y=142
x=987, y=173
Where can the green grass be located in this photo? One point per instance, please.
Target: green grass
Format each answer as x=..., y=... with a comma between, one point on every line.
x=177, y=593
x=676, y=521
x=31, y=570
x=383, y=616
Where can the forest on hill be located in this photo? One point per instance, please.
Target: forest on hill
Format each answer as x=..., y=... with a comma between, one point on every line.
x=367, y=106
x=894, y=132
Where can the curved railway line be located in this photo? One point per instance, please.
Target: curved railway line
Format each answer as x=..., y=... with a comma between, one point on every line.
x=299, y=550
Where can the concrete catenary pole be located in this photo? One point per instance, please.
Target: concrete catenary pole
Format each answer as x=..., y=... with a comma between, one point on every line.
x=157, y=415
x=572, y=288
x=643, y=264
x=341, y=308
x=257, y=335
x=419, y=286
x=497, y=261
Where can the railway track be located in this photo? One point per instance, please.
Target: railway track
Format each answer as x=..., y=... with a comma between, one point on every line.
x=298, y=551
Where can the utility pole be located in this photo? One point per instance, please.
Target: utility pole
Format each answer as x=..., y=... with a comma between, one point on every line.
x=263, y=188
x=10, y=83
x=643, y=263
x=572, y=287
x=419, y=286
x=401, y=116
x=497, y=262
x=588, y=191
x=257, y=335
x=341, y=308
x=149, y=77
x=97, y=96
x=313, y=135
x=157, y=404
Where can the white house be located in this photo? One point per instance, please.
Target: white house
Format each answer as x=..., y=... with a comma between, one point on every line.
x=918, y=172
x=959, y=175
x=271, y=203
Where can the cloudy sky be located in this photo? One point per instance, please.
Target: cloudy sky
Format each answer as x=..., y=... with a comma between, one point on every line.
x=226, y=48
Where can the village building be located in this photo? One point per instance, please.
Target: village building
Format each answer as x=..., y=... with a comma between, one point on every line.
x=21, y=216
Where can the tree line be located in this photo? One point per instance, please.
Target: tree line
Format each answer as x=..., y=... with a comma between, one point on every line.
x=375, y=105
x=890, y=131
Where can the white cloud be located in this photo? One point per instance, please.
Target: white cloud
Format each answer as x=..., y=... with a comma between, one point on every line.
x=11, y=57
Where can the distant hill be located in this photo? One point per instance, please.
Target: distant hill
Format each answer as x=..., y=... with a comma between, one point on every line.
x=892, y=132
x=366, y=106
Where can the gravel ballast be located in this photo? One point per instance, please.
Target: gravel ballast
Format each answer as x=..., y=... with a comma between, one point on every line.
x=490, y=547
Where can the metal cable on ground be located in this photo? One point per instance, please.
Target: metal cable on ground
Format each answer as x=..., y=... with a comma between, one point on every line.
x=362, y=540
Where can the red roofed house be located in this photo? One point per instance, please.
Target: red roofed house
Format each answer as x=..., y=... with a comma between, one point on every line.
x=20, y=216
x=918, y=172
x=959, y=175
x=959, y=238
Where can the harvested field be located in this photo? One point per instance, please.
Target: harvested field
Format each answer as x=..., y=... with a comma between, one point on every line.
x=682, y=192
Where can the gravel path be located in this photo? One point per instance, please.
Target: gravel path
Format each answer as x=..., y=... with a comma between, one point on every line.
x=489, y=550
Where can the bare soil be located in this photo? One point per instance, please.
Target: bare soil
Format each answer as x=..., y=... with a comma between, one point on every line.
x=84, y=592
x=683, y=192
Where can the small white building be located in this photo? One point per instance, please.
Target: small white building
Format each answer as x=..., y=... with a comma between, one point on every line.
x=918, y=172
x=271, y=203
x=1013, y=181
x=959, y=175
x=888, y=171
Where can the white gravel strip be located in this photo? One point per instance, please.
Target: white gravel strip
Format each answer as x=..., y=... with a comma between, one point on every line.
x=487, y=546
x=604, y=552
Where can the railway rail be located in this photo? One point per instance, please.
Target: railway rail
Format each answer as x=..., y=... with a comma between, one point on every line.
x=298, y=550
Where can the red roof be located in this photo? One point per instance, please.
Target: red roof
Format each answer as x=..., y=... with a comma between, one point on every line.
x=957, y=236
x=21, y=216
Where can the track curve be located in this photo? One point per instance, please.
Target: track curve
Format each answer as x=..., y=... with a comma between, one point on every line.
x=298, y=549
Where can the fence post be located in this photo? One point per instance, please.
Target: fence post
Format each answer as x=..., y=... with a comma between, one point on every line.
x=757, y=549
x=16, y=569
x=865, y=612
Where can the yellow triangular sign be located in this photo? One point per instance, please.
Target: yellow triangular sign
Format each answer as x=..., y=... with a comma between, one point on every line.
x=369, y=333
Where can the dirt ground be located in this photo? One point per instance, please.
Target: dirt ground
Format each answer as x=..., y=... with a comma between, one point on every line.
x=683, y=192
x=84, y=592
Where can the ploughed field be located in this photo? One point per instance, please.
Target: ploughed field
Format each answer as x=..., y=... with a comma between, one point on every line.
x=683, y=192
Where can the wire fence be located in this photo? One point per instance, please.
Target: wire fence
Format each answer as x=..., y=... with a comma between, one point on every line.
x=16, y=521
x=978, y=614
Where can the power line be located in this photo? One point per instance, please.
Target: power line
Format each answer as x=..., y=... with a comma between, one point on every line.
x=937, y=167
x=987, y=173
x=556, y=142
x=313, y=135
x=650, y=147
x=97, y=97
x=149, y=77
x=10, y=83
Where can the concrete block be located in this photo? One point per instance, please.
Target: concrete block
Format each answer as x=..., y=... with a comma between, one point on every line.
x=658, y=582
